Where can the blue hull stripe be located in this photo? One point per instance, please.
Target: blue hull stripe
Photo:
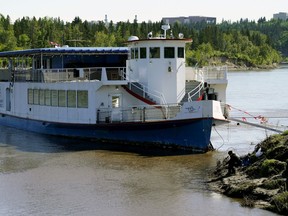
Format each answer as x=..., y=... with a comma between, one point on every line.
x=193, y=134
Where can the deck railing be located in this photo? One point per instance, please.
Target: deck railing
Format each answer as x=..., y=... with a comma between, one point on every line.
x=207, y=73
x=137, y=114
x=197, y=90
x=156, y=96
x=62, y=75
x=215, y=73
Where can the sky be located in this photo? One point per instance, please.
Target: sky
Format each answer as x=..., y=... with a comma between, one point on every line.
x=146, y=10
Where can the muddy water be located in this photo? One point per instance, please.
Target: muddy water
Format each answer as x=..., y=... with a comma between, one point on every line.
x=42, y=175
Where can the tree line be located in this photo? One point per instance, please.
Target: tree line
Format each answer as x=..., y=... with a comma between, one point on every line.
x=253, y=44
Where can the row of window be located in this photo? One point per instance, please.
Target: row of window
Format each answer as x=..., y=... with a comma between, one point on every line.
x=154, y=52
x=58, y=98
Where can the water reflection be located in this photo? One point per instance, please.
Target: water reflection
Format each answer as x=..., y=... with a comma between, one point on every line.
x=43, y=175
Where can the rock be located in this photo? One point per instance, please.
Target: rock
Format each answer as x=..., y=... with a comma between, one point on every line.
x=264, y=194
x=261, y=183
x=262, y=204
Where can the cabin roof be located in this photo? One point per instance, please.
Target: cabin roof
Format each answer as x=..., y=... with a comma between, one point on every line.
x=66, y=50
x=186, y=40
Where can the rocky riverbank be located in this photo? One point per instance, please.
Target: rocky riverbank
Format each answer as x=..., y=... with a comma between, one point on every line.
x=260, y=181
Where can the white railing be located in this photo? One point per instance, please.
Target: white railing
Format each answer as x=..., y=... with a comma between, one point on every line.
x=145, y=91
x=197, y=90
x=181, y=94
x=64, y=75
x=207, y=73
x=139, y=113
x=151, y=94
x=215, y=73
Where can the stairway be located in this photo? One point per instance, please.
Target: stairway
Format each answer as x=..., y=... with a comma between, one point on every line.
x=189, y=86
x=138, y=91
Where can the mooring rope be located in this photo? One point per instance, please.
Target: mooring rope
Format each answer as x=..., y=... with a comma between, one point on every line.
x=263, y=120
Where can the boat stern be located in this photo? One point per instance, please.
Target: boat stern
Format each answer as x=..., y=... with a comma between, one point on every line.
x=201, y=109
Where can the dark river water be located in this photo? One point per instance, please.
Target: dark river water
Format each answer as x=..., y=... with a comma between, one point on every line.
x=44, y=175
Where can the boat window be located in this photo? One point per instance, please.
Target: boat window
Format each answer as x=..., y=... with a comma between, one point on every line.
x=54, y=97
x=37, y=64
x=62, y=98
x=47, y=97
x=115, y=101
x=154, y=52
x=44, y=64
x=41, y=97
x=136, y=53
x=36, y=96
x=180, y=52
x=169, y=52
x=71, y=98
x=143, y=53
x=82, y=99
x=30, y=96
x=132, y=53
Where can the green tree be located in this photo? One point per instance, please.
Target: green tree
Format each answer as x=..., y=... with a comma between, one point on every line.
x=7, y=38
x=24, y=41
x=102, y=40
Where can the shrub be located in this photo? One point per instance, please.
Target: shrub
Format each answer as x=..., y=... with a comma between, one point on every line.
x=271, y=167
x=272, y=184
x=281, y=202
x=241, y=190
x=271, y=142
x=280, y=152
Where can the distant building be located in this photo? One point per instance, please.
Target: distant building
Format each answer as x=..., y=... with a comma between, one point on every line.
x=189, y=20
x=106, y=20
x=281, y=15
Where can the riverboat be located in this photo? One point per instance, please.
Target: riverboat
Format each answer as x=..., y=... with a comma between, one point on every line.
x=140, y=94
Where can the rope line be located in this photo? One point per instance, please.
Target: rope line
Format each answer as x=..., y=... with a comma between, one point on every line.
x=261, y=118
x=220, y=137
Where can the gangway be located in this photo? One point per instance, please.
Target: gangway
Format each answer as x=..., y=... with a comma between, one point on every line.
x=255, y=125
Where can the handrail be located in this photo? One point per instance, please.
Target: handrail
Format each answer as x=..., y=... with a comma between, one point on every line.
x=197, y=90
x=66, y=74
x=199, y=87
x=156, y=94
x=146, y=91
x=215, y=73
x=140, y=113
x=150, y=92
x=181, y=94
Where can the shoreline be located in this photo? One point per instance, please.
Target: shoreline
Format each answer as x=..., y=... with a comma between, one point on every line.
x=260, y=183
x=244, y=68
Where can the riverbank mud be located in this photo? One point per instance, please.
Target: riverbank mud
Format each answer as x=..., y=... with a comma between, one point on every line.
x=261, y=181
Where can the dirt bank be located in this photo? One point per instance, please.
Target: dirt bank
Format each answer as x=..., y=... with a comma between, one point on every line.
x=260, y=181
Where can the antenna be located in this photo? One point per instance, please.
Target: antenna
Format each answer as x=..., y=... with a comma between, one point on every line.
x=165, y=28
x=106, y=20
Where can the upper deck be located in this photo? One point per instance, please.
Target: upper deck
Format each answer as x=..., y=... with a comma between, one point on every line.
x=65, y=51
x=63, y=64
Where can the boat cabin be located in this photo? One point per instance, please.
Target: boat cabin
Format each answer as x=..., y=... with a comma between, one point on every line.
x=159, y=65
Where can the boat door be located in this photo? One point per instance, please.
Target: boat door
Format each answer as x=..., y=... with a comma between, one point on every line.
x=8, y=99
x=116, y=103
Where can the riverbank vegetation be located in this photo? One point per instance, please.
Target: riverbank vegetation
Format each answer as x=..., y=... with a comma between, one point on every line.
x=242, y=44
x=261, y=181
